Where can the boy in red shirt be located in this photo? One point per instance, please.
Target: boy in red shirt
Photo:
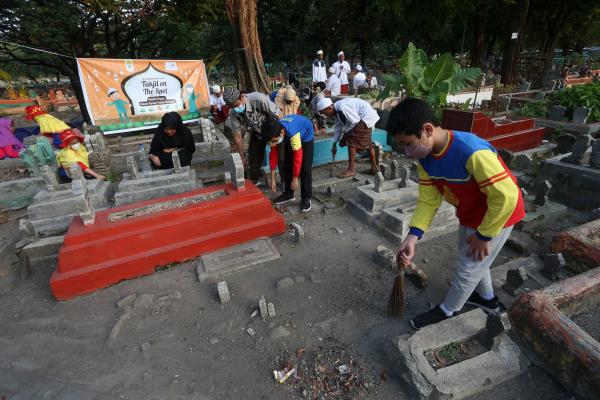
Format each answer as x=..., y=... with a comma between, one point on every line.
x=467, y=172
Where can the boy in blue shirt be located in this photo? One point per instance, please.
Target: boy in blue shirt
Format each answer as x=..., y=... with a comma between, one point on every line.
x=296, y=134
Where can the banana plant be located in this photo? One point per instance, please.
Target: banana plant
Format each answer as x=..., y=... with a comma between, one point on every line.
x=431, y=81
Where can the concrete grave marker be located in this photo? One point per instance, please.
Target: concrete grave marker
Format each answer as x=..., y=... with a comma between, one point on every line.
x=523, y=162
x=553, y=264
x=144, y=161
x=404, y=175
x=557, y=113
x=379, y=179
x=26, y=228
x=524, y=87
x=176, y=161
x=581, y=114
x=79, y=187
x=212, y=266
x=504, y=103
x=49, y=178
x=579, y=148
x=236, y=168
x=514, y=279
x=394, y=169
x=132, y=167
x=595, y=156
x=542, y=192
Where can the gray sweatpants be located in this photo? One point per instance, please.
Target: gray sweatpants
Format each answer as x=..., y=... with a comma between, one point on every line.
x=471, y=275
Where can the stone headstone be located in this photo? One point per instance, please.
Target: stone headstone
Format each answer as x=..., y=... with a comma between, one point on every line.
x=524, y=87
x=379, y=179
x=132, y=167
x=144, y=161
x=578, y=151
x=565, y=142
x=394, y=169
x=496, y=325
x=404, y=176
x=595, y=156
x=540, y=95
x=378, y=153
x=504, y=103
x=236, y=168
x=523, y=162
x=581, y=114
x=49, y=178
x=79, y=188
x=176, y=161
x=514, y=279
x=542, y=192
x=553, y=263
x=557, y=113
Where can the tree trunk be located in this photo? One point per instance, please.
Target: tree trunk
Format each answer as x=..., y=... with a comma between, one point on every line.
x=249, y=66
x=478, y=36
x=550, y=42
x=513, y=46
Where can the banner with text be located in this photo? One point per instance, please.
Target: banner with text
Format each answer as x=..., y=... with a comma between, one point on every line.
x=128, y=95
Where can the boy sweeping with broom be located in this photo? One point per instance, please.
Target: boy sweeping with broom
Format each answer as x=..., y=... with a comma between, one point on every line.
x=467, y=172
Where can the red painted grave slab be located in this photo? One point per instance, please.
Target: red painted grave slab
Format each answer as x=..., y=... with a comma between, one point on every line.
x=99, y=255
x=514, y=135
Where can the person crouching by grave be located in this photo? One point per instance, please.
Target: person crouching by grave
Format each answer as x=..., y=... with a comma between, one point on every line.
x=9, y=144
x=287, y=101
x=467, y=172
x=50, y=126
x=248, y=113
x=218, y=108
x=354, y=122
x=72, y=151
x=295, y=133
x=171, y=134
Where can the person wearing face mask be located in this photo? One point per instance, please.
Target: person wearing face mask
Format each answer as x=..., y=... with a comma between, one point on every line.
x=248, y=112
x=468, y=173
x=295, y=133
x=170, y=135
x=73, y=151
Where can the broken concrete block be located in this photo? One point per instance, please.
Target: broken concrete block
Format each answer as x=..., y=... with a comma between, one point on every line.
x=285, y=283
x=385, y=257
x=263, y=308
x=223, y=292
x=250, y=331
x=271, y=310
x=296, y=232
x=553, y=264
x=579, y=149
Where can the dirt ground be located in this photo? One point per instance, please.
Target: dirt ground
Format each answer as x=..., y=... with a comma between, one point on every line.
x=179, y=342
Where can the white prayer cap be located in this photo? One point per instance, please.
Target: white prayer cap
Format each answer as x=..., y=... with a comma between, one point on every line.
x=319, y=52
x=216, y=89
x=332, y=70
x=341, y=53
x=324, y=103
x=358, y=67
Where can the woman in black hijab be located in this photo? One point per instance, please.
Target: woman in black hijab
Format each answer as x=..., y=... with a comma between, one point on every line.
x=170, y=135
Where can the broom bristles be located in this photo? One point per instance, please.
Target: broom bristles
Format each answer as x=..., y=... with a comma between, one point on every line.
x=396, y=301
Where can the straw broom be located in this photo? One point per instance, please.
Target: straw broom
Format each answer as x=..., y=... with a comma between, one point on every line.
x=396, y=301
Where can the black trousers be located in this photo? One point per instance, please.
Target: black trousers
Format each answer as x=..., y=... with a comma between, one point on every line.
x=256, y=156
x=308, y=149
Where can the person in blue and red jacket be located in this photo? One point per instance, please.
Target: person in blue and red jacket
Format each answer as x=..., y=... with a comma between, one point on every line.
x=468, y=173
x=296, y=134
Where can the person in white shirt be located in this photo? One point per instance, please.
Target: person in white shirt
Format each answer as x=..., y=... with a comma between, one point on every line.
x=360, y=79
x=371, y=81
x=354, y=122
x=334, y=85
x=342, y=69
x=319, y=71
x=218, y=108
